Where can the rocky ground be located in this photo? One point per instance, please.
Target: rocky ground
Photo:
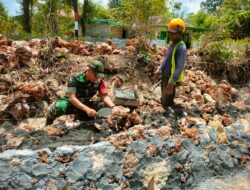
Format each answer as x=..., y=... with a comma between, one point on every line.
x=146, y=148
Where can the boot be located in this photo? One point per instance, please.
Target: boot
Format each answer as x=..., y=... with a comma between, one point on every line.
x=49, y=120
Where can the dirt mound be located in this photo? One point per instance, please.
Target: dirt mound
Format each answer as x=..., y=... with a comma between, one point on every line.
x=235, y=71
x=41, y=78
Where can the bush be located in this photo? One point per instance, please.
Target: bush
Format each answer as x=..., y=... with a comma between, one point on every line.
x=215, y=52
x=225, y=62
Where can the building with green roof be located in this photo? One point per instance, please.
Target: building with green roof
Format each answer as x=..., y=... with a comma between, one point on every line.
x=105, y=28
x=160, y=27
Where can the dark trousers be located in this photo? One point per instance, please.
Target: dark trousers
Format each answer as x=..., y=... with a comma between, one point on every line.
x=167, y=100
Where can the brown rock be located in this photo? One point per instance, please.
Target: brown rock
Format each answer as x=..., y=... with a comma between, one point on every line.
x=32, y=124
x=208, y=98
x=132, y=42
x=37, y=43
x=111, y=43
x=130, y=161
x=37, y=90
x=152, y=150
x=118, y=116
x=51, y=185
x=103, y=48
x=240, y=105
x=134, y=118
x=120, y=110
x=158, y=172
x=245, y=123
x=116, y=52
x=120, y=140
x=61, y=50
x=15, y=161
x=206, y=117
x=43, y=156
x=221, y=93
x=245, y=116
x=219, y=128
x=177, y=147
x=19, y=110
x=198, y=98
x=190, y=132
x=34, y=181
x=208, y=108
x=23, y=54
x=226, y=119
x=15, y=142
x=67, y=158
x=164, y=132
x=137, y=132
x=52, y=131
x=196, y=120
x=244, y=159
x=131, y=49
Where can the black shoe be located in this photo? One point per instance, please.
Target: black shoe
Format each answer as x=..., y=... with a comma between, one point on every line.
x=168, y=112
x=49, y=121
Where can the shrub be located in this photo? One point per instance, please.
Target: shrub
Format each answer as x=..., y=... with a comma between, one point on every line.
x=215, y=52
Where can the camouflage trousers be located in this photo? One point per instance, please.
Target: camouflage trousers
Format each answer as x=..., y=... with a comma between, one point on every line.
x=64, y=107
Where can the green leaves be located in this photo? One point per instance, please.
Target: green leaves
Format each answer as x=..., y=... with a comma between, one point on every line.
x=211, y=6
x=216, y=52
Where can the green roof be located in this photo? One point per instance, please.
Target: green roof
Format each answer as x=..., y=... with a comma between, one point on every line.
x=105, y=21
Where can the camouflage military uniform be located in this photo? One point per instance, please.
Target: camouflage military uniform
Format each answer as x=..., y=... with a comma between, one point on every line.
x=84, y=90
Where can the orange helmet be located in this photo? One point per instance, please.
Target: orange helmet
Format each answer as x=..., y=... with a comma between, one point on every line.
x=176, y=25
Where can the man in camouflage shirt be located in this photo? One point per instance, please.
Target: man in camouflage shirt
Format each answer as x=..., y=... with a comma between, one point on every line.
x=81, y=88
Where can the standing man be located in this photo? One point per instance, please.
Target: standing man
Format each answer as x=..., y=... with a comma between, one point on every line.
x=172, y=68
x=81, y=88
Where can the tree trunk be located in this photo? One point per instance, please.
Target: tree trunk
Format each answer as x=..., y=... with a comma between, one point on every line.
x=52, y=21
x=84, y=16
x=26, y=16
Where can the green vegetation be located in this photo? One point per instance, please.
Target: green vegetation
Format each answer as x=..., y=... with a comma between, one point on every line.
x=226, y=19
x=216, y=51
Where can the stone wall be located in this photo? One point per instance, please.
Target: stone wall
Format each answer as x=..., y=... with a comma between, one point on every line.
x=174, y=163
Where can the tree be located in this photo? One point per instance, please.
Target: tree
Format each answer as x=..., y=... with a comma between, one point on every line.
x=211, y=6
x=8, y=25
x=202, y=19
x=140, y=14
x=114, y=3
x=3, y=12
x=175, y=8
x=100, y=12
x=236, y=15
x=230, y=5
x=52, y=18
x=85, y=15
x=26, y=7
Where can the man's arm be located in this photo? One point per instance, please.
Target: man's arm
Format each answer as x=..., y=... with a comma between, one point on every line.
x=78, y=104
x=163, y=65
x=179, y=62
x=108, y=102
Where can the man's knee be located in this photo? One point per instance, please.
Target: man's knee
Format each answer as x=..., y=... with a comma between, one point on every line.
x=58, y=108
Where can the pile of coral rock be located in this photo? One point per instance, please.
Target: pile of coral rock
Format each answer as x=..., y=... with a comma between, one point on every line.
x=208, y=135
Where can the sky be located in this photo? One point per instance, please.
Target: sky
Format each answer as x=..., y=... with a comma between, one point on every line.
x=188, y=6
